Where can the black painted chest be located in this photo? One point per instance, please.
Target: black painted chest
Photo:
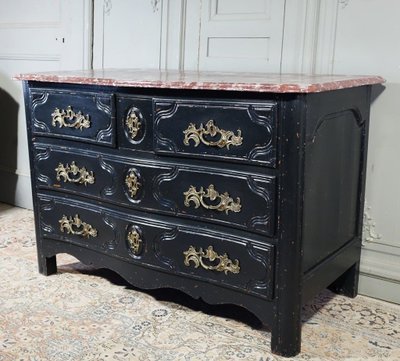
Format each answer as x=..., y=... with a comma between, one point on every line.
x=254, y=199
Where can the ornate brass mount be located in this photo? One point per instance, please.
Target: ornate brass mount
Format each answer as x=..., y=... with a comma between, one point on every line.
x=134, y=242
x=64, y=171
x=133, y=123
x=60, y=117
x=227, y=137
x=224, y=263
x=76, y=226
x=226, y=203
x=131, y=181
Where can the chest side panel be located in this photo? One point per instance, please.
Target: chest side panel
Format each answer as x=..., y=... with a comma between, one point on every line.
x=333, y=174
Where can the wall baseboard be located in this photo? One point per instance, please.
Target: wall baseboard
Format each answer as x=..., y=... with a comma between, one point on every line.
x=380, y=271
x=381, y=288
x=15, y=189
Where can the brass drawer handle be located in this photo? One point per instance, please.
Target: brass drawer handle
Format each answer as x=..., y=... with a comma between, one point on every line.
x=133, y=123
x=224, y=263
x=81, y=175
x=226, y=203
x=61, y=117
x=77, y=227
x=134, y=241
x=227, y=137
x=131, y=181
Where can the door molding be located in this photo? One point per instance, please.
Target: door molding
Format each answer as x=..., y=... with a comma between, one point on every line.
x=309, y=36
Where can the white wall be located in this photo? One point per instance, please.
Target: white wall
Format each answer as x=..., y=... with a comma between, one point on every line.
x=45, y=35
x=367, y=42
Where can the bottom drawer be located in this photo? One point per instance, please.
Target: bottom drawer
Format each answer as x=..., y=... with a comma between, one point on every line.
x=183, y=248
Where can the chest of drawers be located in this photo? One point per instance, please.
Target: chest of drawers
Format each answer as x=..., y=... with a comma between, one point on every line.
x=233, y=191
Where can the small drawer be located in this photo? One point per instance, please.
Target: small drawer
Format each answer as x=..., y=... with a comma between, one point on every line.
x=74, y=115
x=181, y=248
x=223, y=196
x=220, y=130
x=134, y=122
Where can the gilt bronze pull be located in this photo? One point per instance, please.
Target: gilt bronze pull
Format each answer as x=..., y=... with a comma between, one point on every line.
x=134, y=242
x=61, y=118
x=224, y=263
x=226, y=137
x=226, y=203
x=75, y=226
x=131, y=181
x=78, y=175
x=133, y=123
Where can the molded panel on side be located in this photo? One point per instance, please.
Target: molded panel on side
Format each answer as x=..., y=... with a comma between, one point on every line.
x=332, y=185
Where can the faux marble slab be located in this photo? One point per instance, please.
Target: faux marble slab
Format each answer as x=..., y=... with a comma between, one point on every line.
x=255, y=82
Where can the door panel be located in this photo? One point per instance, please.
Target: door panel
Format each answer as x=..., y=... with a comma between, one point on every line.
x=241, y=36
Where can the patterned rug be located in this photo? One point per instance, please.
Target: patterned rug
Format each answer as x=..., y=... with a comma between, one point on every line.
x=86, y=314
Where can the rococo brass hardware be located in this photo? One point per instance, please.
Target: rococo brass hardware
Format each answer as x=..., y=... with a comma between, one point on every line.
x=84, y=177
x=60, y=117
x=134, y=241
x=133, y=123
x=227, y=137
x=226, y=203
x=224, y=263
x=77, y=227
x=131, y=181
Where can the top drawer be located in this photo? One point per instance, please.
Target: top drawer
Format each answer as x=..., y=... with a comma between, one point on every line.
x=221, y=130
x=75, y=115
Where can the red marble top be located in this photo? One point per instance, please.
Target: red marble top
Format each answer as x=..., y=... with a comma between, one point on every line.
x=257, y=82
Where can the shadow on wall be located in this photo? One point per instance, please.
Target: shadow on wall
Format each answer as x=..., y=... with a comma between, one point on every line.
x=8, y=147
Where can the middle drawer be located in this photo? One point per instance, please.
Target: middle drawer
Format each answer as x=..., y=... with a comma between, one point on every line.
x=222, y=196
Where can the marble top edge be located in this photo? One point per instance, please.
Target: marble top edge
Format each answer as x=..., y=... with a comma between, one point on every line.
x=243, y=81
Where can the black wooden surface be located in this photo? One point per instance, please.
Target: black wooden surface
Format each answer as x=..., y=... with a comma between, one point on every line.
x=162, y=185
x=256, y=123
x=299, y=228
x=163, y=242
x=97, y=107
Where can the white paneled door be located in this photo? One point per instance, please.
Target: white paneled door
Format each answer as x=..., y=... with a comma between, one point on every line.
x=35, y=36
x=237, y=35
x=127, y=33
x=229, y=35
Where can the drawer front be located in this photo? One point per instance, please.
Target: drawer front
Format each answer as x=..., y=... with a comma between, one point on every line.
x=81, y=116
x=134, y=119
x=221, y=130
x=179, y=248
x=222, y=196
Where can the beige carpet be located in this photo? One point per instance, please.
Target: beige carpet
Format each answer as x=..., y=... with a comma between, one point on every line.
x=84, y=314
